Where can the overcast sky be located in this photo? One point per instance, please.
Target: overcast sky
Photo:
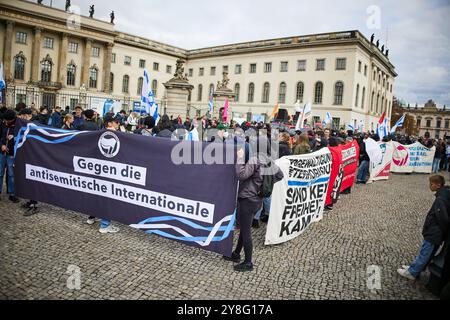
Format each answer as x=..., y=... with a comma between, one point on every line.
x=417, y=32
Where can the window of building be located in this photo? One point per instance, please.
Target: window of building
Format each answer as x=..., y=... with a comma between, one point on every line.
x=391, y=88
x=238, y=69
x=155, y=88
x=419, y=122
x=95, y=52
x=71, y=72
x=365, y=70
x=363, y=100
x=447, y=124
x=338, y=93
x=168, y=69
x=237, y=90
x=191, y=72
x=21, y=37
x=126, y=84
x=225, y=69
x=253, y=68
x=141, y=63
x=300, y=92
x=140, y=85
x=113, y=58
x=200, y=92
x=155, y=66
x=378, y=103
x=127, y=61
x=438, y=123
x=201, y=71
x=301, y=65
x=341, y=63
x=19, y=66
x=318, y=92
x=251, y=92
x=111, y=82
x=268, y=67
x=73, y=103
x=48, y=43
x=213, y=71
x=282, y=93
x=336, y=123
x=359, y=66
x=211, y=90
x=320, y=64
x=357, y=95
x=374, y=75
x=46, y=69
x=372, y=101
x=73, y=47
x=93, y=77
x=266, y=93
x=21, y=98
x=284, y=66
x=428, y=123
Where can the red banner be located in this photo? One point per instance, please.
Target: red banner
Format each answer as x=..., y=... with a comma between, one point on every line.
x=343, y=170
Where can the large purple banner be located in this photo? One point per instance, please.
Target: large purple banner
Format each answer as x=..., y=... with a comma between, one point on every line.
x=160, y=186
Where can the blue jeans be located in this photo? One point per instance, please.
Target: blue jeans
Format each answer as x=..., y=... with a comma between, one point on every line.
x=362, y=171
x=436, y=163
x=265, y=210
x=7, y=162
x=422, y=260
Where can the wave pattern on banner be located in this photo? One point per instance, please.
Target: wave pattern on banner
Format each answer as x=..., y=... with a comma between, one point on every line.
x=24, y=134
x=156, y=228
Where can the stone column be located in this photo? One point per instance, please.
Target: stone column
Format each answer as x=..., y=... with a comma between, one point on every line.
x=8, y=50
x=107, y=66
x=35, y=58
x=62, y=70
x=86, y=63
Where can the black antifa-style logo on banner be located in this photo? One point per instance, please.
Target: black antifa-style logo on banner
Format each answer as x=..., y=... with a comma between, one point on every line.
x=109, y=144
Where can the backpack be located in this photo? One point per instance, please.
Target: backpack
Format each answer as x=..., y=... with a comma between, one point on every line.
x=266, y=188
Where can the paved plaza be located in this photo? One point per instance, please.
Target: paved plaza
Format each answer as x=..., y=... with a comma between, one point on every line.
x=378, y=224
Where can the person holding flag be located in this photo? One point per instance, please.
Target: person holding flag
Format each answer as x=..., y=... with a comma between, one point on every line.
x=148, y=100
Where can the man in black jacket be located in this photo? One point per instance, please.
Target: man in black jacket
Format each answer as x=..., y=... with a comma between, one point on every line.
x=364, y=161
x=435, y=229
x=90, y=124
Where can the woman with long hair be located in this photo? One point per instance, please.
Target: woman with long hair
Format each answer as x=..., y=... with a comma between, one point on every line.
x=302, y=144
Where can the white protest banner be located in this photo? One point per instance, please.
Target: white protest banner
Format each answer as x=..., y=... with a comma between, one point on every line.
x=412, y=158
x=380, y=170
x=299, y=199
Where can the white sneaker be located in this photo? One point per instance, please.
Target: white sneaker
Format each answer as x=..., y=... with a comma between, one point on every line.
x=92, y=221
x=109, y=229
x=405, y=274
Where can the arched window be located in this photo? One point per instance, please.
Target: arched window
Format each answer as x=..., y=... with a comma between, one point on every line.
x=211, y=89
x=111, y=82
x=237, y=89
x=382, y=108
x=300, y=92
x=266, y=93
x=46, y=69
x=139, y=86
x=71, y=72
x=126, y=84
x=372, y=101
x=363, y=100
x=251, y=92
x=155, y=88
x=19, y=66
x=357, y=95
x=282, y=93
x=338, y=93
x=199, y=94
x=318, y=92
x=378, y=103
x=93, y=77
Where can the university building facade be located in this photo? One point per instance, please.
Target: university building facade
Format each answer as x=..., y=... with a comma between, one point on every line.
x=53, y=57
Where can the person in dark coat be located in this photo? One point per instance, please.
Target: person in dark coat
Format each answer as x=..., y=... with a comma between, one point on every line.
x=56, y=120
x=284, y=148
x=42, y=117
x=435, y=229
x=78, y=119
x=164, y=128
x=90, y=123
x=364, y=160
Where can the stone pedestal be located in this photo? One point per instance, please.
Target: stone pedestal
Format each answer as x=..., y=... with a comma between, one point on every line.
x=177, y=93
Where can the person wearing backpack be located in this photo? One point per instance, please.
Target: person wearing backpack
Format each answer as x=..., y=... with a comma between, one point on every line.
x=253, y=186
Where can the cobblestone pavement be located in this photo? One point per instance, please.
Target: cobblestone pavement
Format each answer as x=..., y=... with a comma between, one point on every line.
x=378, y=224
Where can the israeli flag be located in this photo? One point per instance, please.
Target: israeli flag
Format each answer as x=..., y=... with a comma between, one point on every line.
x=2, y=80
x=147, y=98
x=210, y=104
x=351, y=127
x=327, y=120
x=154, y=112
x=399, y=124
x=382, y=129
